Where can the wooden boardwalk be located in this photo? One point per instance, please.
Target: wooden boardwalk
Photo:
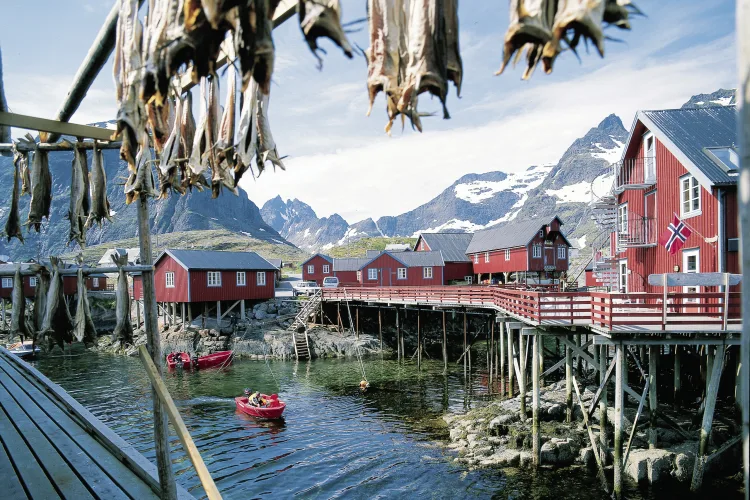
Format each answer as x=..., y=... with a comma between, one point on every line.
x=52, y=447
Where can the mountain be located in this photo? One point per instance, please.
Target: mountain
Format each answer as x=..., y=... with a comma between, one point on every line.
x=297, y=222
x=722, y=97
x=193, y=211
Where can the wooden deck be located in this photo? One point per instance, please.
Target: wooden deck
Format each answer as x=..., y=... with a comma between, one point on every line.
x=52, y=447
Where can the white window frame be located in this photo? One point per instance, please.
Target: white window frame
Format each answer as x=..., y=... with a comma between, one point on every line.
x=469, y=279
x=95, y=282
x=692, y=184
x=167, y=282
x=359, y=275
x=401, y=273
x=372, y=274
x=427, y=273
x=622, y=277
x=649, y=161
x=541, y=233
x=241, y=278
x=310, y=269
x=421, y=246
x=32, y=282
x=622, y=218
x=260, y=278
x=486, y=257
x=326, y=268
x=686, y=254
x=507, y=254
x=7, y=282
x=476, y=258
x=562, y=253
x=536, y=251
x=213, y=279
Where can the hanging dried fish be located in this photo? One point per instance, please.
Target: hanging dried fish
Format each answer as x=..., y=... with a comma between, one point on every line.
x=322, y=18
x=41, y=190
x=266, y=147
x=196, y=164
x=4, y=129
x=167, y=171
x=99, y=202
x=40, y=299
x=187, y=134
x=13, y=224
x=530, y=24
x=264, y=48
x=225, y=140
x=141, y=183
x=83, y=328
x=18, y=324
x=386, y=24
x=57, y=321
x=247, y=132
x=211, y=133
x=455, y=66
x=79, y=198
x=581, y=17
x=25, y=174
x=123, y=328
x=617, y=13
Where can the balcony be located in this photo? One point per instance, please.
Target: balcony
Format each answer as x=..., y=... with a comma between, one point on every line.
x=634, y=231
x=635, y=173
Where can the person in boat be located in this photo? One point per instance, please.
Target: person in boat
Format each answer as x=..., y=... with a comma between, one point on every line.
x=255, y=398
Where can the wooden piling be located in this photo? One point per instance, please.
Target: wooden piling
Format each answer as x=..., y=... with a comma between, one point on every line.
x=182, y=314
x=380, y=332
x=465, y=343
x=398, y=337
x=445, y=347
x=535, y=440
x=153, y=344
x=491, y=352
x=242, y=309
x=541, y=362
x=709, y=365
x=419, y=341
x=218, y=314
x=190, y=312
x=653, y=352
x=356, y=325
x=568, y=383
x=579, y=362
x=501, y=336
x=522, y=369
x=603, y=404
x=510, y=361
x=620, y=369
x=677, y=397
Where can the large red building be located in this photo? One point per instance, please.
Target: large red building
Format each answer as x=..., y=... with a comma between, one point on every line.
x=534, y=250
x=452, y=246
x=403, y=269
x=317, y=268
x=677, y=162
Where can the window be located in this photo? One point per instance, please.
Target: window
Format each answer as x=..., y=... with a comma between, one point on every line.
x=241, y=278
x=32, y=282
x=541, y=233
x=622, y=218
x=402, y=273
x=469, y=279
x=691, y=264
x=486, y=257
x=649, y=164
x=623, y=276
x=690, y=195
x=169, y=279
x=726, y=158
x=476, y=258
x=421, y=246
x=310, y=269
x=95, y=282
x=326, y=268
x=537, y=252
x=214, y=278
x=7, y=282
x=507, y=254
x=359, y=275
x=561, y=251
x=372, y=274
x=427, y=273
x=260, y=278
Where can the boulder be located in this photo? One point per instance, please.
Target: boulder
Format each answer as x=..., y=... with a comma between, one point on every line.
x=260, y=314
x=559, y=452
x=650, y=465
x=507, y=458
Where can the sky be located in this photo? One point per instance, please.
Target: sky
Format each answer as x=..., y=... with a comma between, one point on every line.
x=341, y=161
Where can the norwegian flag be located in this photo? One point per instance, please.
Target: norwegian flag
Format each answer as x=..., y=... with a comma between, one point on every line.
x=675, y=236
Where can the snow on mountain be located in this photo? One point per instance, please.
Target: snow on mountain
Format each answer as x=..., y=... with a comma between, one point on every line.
x=520, y=182
x=299, y=223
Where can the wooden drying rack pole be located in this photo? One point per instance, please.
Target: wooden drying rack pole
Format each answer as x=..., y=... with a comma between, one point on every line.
x=59, y=146
x=72, y=271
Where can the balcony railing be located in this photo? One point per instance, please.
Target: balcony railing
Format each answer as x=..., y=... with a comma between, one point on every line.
x=635, y=231
x=635, y=173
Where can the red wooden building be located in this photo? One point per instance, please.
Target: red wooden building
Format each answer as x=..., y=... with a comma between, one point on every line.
x=535, y=250
x=452, y=246
x=94, y=282
x=403, y=269
x=6, y=282
x=317, y=267
x=677, y=162
x=347, y=270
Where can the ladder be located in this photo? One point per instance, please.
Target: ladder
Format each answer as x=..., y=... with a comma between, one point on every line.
x=307, y=310
x=301, y=345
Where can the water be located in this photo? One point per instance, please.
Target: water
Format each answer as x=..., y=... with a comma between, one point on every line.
x=333, y=443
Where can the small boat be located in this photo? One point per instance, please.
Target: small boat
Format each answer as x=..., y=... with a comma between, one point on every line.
x=25, y=349
x=183, y=360
x=273, y=410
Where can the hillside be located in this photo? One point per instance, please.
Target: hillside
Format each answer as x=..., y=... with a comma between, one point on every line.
x=358, y=248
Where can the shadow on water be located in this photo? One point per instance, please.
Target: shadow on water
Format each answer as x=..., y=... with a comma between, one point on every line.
x=334, y=441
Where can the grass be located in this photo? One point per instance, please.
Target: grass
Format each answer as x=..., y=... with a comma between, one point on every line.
x=359, y=248
x=212, y=239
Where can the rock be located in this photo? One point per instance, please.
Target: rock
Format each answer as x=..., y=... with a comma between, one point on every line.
x=263, y=306
x=650, y=465
x=271, y=308
x=507, y=458
x=683, y=466
x=260, y=314
x=559, y=452
x=483, y=451
x=455, y=434
x=586, y=457
x=556, y=411
x=525, y=459
x=499, y=425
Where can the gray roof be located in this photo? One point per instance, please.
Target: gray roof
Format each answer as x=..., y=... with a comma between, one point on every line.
x=414, y=259
x=350, y=264
x=326, y=257
x=275, y=263
x=370, y=254
x=452, y=245
x=686, y=132
x=220, y=261
x=514, y=234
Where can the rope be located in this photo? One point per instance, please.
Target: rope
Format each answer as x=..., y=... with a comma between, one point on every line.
x=265, y=357
x=359, y=354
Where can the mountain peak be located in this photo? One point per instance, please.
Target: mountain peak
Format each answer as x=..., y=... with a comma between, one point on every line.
x=612, y=122
x=721, y=97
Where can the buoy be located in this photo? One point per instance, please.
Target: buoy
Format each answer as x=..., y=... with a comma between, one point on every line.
x=363, y=385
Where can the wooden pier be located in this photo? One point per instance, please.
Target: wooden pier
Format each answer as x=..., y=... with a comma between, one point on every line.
x=52, y=447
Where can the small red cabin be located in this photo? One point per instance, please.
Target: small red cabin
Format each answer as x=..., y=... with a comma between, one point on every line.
x=347, y=270
x=452, y=246
x=403, y=269
x=533, y=250
x=6, y=282
x=94, y=282
x=316, y=268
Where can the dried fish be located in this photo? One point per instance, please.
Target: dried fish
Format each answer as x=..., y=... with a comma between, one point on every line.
x=322, y=18
x=167, y=171
x=83, y=328
x=247, y=132
x=79, y=196
x=581, y=17
x=57, y=321
x=386, y=24
x=530, y=24
x=225, y=141
x=196, y=164
x=617, y=13
x=25, y=174
x=99, y=202
x=18, y=324
x=13, y=224
x=141, y=183
x=264, y=48
x=41, y=190
x=211, y=133
x=455, y=65
x=4, y=129
x=40, y=299
x=187, y=134
x=266, y=147
x=123, y=328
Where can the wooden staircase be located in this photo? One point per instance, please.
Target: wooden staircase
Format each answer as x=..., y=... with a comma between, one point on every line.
x=301, y=344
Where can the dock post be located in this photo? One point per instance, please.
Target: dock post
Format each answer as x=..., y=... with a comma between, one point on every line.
x=653, y=352
x=502, y=358
x=541, y=361
x=218, y=314
x=579, y=362
x=182, y=314
x=339, y=325
x=190, y=313
x=535, y=440
x=380, y=332
x=242, y=309
x=677, y=375
x=708, y=418
x=356, y=324
x=620, y=369
x=2, y=311
x=522, y=369
x=153, y=344
x=137, y=312
x=491, y=357
x=510, y=360
x=419, y=342
x=445, y=347
x=398, y=336
x=603, y=403
x=465, y=354
x=568, y=383
x=709, y=366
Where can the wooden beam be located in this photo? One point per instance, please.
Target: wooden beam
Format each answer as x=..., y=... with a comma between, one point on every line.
x=635, y=422
x=619, y=400
x=568, y=383
x=600, y=474
x=743, y=199
x=59, y=146
x=535, y=438
x=54, y=126
x=602, y=387
x=579, y=350
x=694, y=279
x=652, y=400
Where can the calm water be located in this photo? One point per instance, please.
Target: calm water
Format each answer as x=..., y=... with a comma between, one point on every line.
x=333, y=443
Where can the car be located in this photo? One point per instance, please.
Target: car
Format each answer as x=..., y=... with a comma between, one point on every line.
x=330, y=282
x=305, y=288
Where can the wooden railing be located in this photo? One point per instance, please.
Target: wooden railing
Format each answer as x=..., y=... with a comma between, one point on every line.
x=635, y=173
x=609, y=311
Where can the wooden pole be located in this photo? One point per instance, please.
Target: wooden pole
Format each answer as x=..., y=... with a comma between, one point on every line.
x=619, y=401
x=579, y=362
x=189, y=313
x=541, y=361
x=242, y=309
x=522, y=375
x=153, y=343
x=181, y=430
x=356, y=326
x=535, y=440
x=218, y=314
x=182, y=314
x=709, y=366
x=510, y=361
x=491, y=353
x=419, y=342
x=568, y=383
x=743, y=125
x=677, y=376
x=603, y=404
x=445, y=347
x=465, y=343
x=380, y=332
x=398, y=336
x=653, y=353
x=502, y=357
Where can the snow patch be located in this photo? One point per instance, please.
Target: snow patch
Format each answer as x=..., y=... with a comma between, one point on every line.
x=518, y=182
x=306, y=233
x=581, y=192
x=348, y=235
x=582, y=241
x=327, y=246
x=722, y=101
x=462, y=225
x=610, y=155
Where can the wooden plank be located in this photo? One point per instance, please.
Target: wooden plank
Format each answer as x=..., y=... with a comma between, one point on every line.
x=693, y=279
x=95, y=478
x=44, y=125
x=11, y=483
x=601, y=475
x=602, y=386
x=635, y=424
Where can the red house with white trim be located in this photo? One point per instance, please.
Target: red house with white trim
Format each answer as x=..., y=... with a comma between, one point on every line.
x=452, y=246
x=347, y=270
x=404, y=269
x=316, y=268
x=677, y=162
x=535, y=250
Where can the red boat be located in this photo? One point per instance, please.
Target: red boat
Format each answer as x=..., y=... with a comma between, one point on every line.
x=274, y=409
x=220, y=359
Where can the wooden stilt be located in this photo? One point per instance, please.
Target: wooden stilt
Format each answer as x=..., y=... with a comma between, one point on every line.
x=242, y=310
x=541, y=361
x=153, y=344
x=491, y=356
x=620, y=369
x=445, y=348
x=338, y=317
x=653, y=352
x=677, y=397
x=535, y=440
x=182, y=314
x=510, y=362
x=603, y=404
x=138, y=312
x=568, y=384
x=380, y=332
x=465, y=357
x=218, y=314
x=189, y=313
x=419, y=342
x=522, y=376
x=2, y=312
x=356, y=327
x=708, y=418
x=579, y=362
x=709, y=365
x=502, y=357
x=398, y=336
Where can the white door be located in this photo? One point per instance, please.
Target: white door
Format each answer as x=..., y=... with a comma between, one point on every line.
x=622, y=271
x=691, y=263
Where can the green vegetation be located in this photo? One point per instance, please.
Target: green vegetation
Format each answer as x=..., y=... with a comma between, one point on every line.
x=359, y=248
x=213, y=239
